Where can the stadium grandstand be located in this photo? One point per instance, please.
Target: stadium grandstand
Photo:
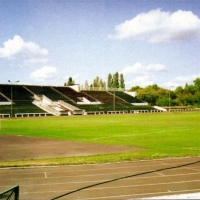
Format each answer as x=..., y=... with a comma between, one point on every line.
x=31, y=100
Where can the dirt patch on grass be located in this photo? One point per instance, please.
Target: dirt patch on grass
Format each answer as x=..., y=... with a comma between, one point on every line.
x=21, y=147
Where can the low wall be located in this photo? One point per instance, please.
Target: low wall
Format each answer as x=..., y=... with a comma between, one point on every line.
x=95, y=113
x=117, y=112
x=5, y=103
x=184, y=109
x=4, y=115
x=32, y=114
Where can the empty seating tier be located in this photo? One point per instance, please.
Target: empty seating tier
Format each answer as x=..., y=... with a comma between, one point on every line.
x=73, y=95
x=127, y=97
x=104, y=97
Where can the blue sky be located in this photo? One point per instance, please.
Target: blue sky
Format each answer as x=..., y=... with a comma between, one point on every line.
x=149, y=41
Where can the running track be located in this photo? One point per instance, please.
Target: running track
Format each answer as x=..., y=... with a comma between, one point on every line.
x=126, y=180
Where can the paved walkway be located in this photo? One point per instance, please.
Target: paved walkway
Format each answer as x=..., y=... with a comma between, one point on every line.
x=126, y=180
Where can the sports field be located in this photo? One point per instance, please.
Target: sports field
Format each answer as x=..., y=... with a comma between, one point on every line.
x=150, y=136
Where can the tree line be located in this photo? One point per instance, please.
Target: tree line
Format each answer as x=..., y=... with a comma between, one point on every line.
x=113, y=81
x=153, y=94
x=181, y=96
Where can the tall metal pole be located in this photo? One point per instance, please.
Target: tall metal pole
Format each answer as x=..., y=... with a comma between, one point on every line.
x=169, y=96
x=199, y=98
x=11, y=98
x=0, y=120
x=11, y=108
x=114, y=101
x=113, y=94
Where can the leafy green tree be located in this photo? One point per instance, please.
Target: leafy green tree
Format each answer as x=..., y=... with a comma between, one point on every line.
x=97, y=82
x=102, y=83
x=154, y=87
x=197, y=95
x=179, y=90
x=115, y=80
x=189, y=89
x=182, y=96
x=110, y=81
x=69, y=82
x=135, y=88
x=122, y=81
x=86, y=85
x=155, y=95
x=148, y=95
x=197, y=84
x=162, y=101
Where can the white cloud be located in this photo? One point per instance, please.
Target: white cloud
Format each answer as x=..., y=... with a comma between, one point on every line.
x=27, y=51
x=187, y=79
x=142, y=75
x=181, y=81
x=76, y=77
x=139, y=68
x=159, y=26
x=143, y=80
x=132, y=69
x=155, y=67
x=43, y=74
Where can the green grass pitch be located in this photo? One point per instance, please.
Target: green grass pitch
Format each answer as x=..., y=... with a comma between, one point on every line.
x=160, y=135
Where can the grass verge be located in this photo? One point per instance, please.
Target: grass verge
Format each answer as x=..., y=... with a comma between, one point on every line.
x=160, y=135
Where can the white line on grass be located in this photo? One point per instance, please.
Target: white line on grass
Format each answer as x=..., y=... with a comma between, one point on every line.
x=135, y=135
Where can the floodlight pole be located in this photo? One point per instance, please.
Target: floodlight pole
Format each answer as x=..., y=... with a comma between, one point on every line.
x=11, y=97
x=114, y=101
x=169, y=96
x=199, y=98
x=0, y=120
x=113, y=89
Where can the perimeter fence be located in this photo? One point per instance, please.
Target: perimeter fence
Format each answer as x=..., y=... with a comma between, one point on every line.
x=10, y=194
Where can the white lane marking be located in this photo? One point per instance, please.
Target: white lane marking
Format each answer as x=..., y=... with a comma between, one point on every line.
x=157, y=193
x=177, y=196
x=152, y=184
x=198, y=170
x=92, y=175
x=120, y=196
x=94, y=169
x=114, y=187
x=159, y=173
